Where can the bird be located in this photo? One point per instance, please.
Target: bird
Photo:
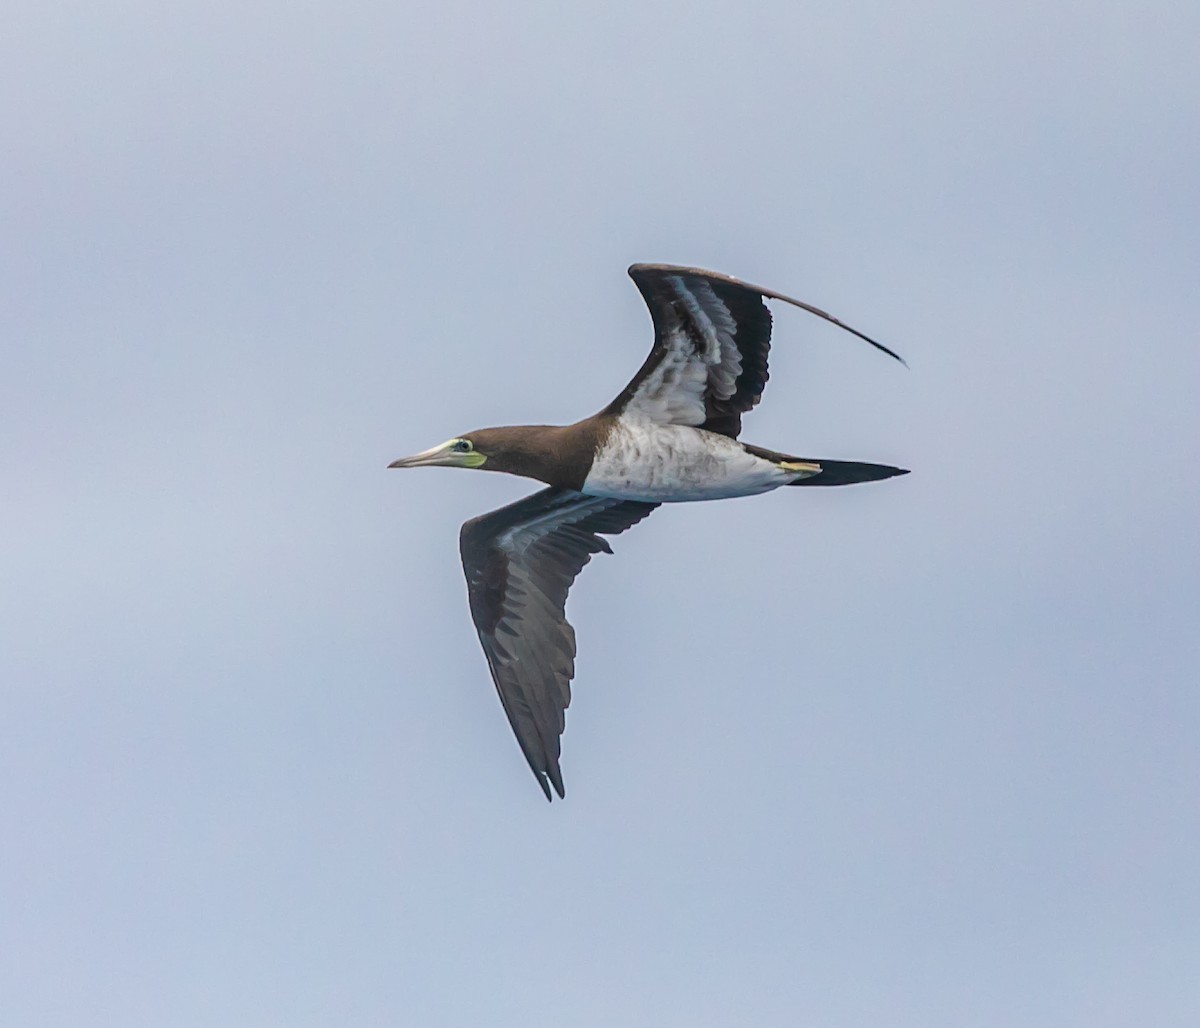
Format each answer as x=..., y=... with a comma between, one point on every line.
x=670, y=436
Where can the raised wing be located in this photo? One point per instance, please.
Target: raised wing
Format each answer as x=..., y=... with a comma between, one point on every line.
x=712, y=334
x=520, y=562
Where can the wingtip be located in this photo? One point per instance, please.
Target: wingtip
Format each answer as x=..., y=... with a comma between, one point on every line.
x=551, y=777
x=875, y=343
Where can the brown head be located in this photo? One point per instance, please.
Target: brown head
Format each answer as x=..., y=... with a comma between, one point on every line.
x=558, y=456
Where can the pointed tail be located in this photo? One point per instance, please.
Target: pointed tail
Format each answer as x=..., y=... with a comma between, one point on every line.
x=847, y=472
x=833, y=472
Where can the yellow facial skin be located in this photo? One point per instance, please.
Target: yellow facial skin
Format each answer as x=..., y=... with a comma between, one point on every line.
x=453, y=453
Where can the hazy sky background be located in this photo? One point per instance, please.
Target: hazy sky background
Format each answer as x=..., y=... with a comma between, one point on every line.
x=922, y=753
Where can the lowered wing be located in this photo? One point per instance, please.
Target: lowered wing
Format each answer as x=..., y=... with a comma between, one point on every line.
x=520, y=562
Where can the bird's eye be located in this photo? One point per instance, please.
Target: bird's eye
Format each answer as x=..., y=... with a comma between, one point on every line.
x=462, y=446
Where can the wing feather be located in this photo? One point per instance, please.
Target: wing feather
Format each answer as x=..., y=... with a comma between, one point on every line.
x=520, y=562
x=712, y=337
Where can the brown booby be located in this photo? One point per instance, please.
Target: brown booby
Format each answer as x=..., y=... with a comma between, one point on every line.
x=670, y=436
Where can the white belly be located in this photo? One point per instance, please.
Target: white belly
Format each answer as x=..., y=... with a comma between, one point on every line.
x=642, y=460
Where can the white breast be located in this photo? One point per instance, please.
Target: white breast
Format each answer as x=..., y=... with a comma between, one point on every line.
x=643, y=460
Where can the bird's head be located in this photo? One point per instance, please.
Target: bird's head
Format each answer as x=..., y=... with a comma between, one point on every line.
x=547, y=453
x=459, y=452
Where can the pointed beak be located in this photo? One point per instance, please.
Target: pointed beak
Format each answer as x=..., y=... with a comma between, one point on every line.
x=438, y=455
x=442, y=456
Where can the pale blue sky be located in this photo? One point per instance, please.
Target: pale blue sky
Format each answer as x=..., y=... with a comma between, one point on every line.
x=915, y=754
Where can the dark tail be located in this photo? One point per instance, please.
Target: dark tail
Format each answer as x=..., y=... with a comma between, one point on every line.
x=833, y=472
x=847, y=472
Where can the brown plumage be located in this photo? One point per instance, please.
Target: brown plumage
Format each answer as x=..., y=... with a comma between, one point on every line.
x=559, y=455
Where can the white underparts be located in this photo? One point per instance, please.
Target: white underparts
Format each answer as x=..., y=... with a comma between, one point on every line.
x=643, y=460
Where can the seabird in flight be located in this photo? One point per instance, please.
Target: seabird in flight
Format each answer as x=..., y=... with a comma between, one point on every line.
x=670, y=436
